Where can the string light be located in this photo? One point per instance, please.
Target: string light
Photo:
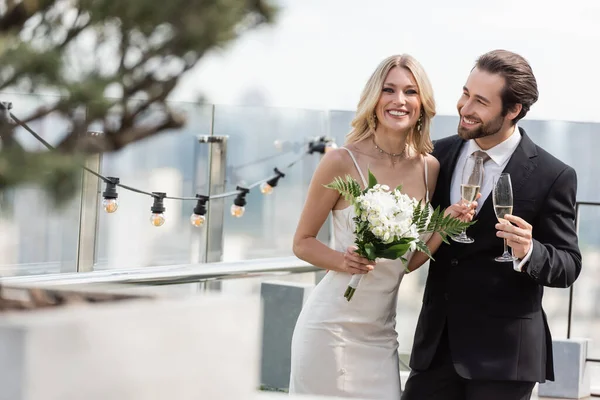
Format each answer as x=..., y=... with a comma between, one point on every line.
x=278, y=145
x=330, y=146
x=321, y=145
x=158, y=217
x=109, y=201
x=237, y=208
x=267, y=187
x=198, y=219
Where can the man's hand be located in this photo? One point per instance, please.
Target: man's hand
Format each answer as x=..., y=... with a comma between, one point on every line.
x=517, y=237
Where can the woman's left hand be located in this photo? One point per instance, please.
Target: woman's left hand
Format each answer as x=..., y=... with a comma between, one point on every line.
x=462, y=211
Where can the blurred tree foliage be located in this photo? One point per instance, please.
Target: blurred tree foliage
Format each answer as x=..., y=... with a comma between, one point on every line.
x=84, y=50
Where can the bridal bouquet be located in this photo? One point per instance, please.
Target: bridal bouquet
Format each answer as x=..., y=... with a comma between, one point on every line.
x=388, y=223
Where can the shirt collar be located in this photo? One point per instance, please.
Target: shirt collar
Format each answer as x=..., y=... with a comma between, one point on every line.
x=502, y=151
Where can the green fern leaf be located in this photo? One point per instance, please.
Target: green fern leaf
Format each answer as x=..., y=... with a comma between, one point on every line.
x=446, y=225
x=349, y=189
x=421, y=246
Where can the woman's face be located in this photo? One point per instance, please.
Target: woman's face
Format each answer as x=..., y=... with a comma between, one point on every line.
x=399, y=105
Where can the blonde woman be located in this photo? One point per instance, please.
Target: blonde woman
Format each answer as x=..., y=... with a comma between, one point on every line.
x=349, y=349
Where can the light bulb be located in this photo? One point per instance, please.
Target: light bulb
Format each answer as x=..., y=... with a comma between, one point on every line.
x=237, y=208
x=110, y=205
x=265, y=188
x=237, y=211
x=278, y=144
x=197, y=220
x=157, y=219
x=330, y=146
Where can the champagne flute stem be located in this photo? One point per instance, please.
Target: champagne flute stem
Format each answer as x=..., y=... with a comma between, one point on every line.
x=463, y=234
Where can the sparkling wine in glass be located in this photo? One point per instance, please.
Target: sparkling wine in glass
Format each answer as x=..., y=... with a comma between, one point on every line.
x=472, y=178
x=502, y=197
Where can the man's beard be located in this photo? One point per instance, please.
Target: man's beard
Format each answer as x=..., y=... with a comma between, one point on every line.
x=488, y=129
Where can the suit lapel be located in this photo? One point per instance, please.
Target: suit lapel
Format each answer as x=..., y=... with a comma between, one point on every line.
x=449, y=167
x=522, y=163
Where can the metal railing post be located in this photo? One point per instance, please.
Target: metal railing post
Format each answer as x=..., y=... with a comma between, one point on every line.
x=571, y=290
x=215, y=207
x=212, y=237
x=88, y=213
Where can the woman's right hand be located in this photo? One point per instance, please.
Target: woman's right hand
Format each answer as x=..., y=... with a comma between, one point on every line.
x=355, y=264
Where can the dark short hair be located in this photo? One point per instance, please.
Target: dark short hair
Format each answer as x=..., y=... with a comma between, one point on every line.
x=520, y=87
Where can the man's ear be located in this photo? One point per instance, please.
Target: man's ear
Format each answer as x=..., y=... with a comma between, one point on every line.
x=514, y=111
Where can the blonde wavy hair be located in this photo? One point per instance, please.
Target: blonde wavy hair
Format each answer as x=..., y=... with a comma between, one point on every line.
x=363, y=124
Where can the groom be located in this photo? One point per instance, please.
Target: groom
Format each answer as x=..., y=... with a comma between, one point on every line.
x=482, y=333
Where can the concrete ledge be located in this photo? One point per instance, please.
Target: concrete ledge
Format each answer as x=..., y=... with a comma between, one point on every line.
x=572, y=376
x=200, y=348
x=282, y=302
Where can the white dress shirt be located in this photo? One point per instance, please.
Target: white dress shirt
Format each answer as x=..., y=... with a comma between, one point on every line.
x=499, y=157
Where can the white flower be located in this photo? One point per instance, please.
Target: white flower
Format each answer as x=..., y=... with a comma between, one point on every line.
x=377, y=231
x=387, y=238
x=388, y=213
x=374, y=220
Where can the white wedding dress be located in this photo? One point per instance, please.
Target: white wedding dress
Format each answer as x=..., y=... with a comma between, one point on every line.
x=350, y=349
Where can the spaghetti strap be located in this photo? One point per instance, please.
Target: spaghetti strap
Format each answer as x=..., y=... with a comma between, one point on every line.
x=426, y=183
x=357, y=167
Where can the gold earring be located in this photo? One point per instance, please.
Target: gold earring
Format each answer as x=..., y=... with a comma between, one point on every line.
x=419, y=123
x=373, y=121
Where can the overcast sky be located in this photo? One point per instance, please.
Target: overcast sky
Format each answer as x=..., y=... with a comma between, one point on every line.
x=320, y=52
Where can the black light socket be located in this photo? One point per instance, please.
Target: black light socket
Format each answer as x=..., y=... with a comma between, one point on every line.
x=273, y=181
x=317, y=146
x=158, y=207
x=111, y=188
x=240, y=200
x=200, y=208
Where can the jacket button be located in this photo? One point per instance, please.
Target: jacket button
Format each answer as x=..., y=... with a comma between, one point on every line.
x=454, y=262
x=446, y=296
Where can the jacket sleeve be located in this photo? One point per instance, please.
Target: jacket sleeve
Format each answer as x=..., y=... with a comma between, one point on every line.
x=556, y=258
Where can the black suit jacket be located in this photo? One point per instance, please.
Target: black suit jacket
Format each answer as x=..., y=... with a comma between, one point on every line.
x=497, y=329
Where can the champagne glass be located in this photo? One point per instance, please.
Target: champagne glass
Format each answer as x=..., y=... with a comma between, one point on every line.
x=503, y=204
x=472, y=177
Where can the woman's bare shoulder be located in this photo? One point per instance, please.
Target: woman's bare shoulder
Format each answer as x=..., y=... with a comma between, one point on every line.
x=433, y=171
x=432, y=162
x=335, y=162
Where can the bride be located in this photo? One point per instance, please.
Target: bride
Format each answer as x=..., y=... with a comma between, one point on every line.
x=349, y=349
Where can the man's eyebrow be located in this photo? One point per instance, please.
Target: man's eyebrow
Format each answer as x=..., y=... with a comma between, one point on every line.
x=480, y=97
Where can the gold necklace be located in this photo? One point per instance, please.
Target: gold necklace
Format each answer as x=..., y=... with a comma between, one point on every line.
x=392, y=155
